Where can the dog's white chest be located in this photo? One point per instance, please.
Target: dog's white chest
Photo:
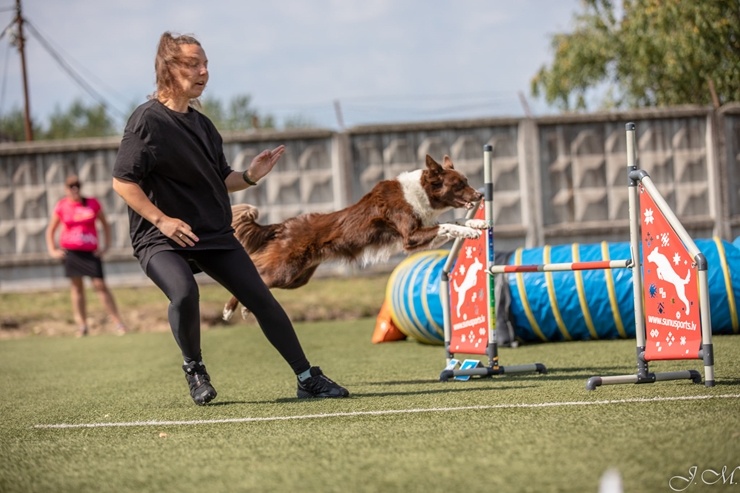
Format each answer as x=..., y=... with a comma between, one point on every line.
x=416, y=196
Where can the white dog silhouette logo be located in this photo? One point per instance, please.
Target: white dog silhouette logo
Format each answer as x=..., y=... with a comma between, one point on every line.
x=666, y=273
x=468, y=283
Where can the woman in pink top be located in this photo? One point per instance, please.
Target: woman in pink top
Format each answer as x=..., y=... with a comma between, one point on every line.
x=80, y=251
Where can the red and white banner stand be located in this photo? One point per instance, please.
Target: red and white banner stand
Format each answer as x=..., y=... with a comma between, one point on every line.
x=469, y=304
x=672, y=314
x=671, y=290
x=468, y=300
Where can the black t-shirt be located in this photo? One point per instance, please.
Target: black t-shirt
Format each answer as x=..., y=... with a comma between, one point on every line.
x=178, y=160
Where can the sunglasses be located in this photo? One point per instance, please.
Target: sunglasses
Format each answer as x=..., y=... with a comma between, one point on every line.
x=73, y=185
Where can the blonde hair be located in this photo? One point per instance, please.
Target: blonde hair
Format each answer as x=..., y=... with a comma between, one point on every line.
x=168, y=57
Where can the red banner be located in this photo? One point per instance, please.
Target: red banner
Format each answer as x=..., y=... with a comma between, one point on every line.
x=469, y=310
x=671, y=293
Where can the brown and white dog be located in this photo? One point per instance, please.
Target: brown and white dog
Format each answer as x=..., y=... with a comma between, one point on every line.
x=396, y=215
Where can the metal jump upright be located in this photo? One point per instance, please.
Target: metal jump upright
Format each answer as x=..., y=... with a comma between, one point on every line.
x=662, y=331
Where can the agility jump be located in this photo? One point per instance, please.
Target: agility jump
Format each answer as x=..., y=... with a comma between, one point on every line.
x=470, y=327
x=662, y=331
x=671, y=323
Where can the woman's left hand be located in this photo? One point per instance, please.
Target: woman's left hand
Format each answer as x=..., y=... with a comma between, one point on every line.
x=264, y=162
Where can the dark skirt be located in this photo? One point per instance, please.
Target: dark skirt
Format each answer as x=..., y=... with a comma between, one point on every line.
x=82, y=264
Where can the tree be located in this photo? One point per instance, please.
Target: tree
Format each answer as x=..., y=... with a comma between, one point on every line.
x=237, y=116
x=298, y=121
x=12, y=126
x=76, y=121
x=80, y=121
x=660, y=53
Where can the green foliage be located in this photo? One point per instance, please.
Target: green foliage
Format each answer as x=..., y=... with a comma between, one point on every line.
x=298, y=121
x=12, y=126
x=80, y=120
x=237, y=115
x=656, y=53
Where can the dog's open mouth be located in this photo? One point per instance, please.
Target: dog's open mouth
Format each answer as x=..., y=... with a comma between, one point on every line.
x=465, y=204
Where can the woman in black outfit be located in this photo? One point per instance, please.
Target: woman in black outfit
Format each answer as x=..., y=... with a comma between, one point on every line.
x=172, y=173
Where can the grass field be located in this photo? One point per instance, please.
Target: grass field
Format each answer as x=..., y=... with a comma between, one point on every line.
x=111, y=413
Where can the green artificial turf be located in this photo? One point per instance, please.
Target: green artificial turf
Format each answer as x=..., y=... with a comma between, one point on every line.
x=402, y=430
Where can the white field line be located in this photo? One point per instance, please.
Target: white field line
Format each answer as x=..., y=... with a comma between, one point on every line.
x=387, y=412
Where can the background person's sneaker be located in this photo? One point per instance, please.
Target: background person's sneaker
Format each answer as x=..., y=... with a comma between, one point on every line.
x=319, y=385
x=199, y=382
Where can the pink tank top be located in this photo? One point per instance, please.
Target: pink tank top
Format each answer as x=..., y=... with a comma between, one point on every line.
x=78, y=224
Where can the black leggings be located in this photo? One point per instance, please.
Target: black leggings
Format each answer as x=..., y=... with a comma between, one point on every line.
x=234, y=270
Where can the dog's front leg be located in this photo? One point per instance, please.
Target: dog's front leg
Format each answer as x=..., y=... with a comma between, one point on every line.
x=471, y=223
x=476, y=224
x=457, y=231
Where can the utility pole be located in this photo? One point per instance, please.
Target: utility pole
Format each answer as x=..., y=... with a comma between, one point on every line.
x=21, y=41
x=338, y=112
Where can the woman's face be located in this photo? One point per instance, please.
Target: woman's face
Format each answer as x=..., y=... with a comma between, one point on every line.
x=192, y=71
x=73, y=190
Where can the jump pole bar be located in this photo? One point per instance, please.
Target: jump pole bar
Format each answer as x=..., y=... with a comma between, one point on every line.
x=560, y=267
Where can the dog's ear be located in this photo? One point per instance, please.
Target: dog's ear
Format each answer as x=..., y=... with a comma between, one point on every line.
x=447, y=163
x=433, y=165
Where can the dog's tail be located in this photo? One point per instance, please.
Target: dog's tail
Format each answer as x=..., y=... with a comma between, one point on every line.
x=250, y=234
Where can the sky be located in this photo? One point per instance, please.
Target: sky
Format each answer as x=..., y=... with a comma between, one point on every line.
x=330, y=63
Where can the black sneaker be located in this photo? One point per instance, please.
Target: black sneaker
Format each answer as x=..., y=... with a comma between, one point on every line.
x=199, y=381
x=319, y=385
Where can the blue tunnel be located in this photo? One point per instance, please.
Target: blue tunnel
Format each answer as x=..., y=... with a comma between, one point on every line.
x=557, y=306
x=599, y=304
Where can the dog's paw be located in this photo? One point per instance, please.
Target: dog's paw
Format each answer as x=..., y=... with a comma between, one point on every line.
x=476, y=224
x=245, y=313
x=471, y=234
x=227, y=314
x=457, y=231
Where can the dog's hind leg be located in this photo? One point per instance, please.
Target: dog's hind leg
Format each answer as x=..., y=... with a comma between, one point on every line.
x=245, y=312
x=229, y=308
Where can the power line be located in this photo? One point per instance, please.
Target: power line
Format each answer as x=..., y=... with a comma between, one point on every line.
x=5, y=79
x=87, y=73
x=433, y=97
x=408, y=106
x=7, y=29
x=7, y=59
x=72, y=73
